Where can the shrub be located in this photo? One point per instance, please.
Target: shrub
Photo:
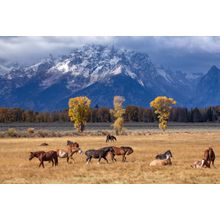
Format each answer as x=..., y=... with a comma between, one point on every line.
x=12, y=132
x=30, y=130
x=42, y=133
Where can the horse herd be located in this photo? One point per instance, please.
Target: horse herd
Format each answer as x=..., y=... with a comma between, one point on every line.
x=73, y=148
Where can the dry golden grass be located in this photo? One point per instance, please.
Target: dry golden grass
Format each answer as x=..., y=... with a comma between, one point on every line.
x=186, y=147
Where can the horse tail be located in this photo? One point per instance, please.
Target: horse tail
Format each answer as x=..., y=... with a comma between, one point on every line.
x=56, y=159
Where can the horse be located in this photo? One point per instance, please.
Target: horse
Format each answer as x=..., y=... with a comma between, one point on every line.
x=98, y=154
x=209, y=156
x=200, y=164
x=44, y=144
x=50, y=156
x=159, y=162
x=164, y=156
x=123, y=150
x=110, y=138
x=73, y=147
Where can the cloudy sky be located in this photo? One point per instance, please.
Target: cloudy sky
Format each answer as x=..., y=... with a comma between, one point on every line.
x=192, y=54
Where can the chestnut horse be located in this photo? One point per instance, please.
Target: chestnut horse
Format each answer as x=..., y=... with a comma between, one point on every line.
x=123, y=150
x=50, y=156
x=209, y=157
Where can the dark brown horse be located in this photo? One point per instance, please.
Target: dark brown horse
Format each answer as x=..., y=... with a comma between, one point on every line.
x=123, y=150
x=209, y=157
x=110, y=138
x=50, y=156
x=98, y=154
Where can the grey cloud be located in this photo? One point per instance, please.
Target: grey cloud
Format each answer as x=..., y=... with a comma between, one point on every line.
x=195, y=54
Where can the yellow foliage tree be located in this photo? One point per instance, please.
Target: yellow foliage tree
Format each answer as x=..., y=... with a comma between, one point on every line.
x=162, y=106
x=118, y=113
x=78, y=111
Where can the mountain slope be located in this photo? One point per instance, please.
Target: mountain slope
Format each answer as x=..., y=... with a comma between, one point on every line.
x=208, y=88
x=100, y=72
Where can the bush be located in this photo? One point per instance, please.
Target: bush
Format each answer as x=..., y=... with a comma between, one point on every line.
x=12, y=132
x=30, y=130
x=42, y=133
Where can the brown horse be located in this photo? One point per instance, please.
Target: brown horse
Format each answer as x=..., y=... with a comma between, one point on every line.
x=50, y=156
x=123, y=150
x=73, y=147
x=209, y=157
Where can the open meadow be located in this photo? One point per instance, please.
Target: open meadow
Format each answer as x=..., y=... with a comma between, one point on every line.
x=185, y=146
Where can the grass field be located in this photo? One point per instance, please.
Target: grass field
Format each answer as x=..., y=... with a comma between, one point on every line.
x=185, y=146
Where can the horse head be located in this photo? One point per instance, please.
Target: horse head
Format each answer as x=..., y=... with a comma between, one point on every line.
x=31, y=156
x=80, y=151
x=169, y=154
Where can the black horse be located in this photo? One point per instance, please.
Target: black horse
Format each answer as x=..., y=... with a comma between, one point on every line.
x=164, y=156
x=98, y=154
x=110, y=138
x=50, y=156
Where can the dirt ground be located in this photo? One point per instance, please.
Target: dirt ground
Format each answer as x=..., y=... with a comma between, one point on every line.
x=186, y=147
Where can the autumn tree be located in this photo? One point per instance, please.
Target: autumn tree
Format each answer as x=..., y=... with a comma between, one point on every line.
x=118, y=113
x=162, y=106
x=78, y=111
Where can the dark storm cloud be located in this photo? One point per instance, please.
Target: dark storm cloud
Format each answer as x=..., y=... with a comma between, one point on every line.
x=194, y=54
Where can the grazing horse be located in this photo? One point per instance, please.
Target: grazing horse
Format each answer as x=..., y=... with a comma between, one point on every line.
x=73, y=147
x=50, y=156
x=164, y=156
x=44, y=144
x=159, y=162
x=121, y=151
x=110, y=138
x=98, y=154
x=209, y=157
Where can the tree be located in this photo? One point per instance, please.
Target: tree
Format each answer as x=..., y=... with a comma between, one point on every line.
x=132, y=113
x=162, y=106
x=78, y=111
x=118, y=113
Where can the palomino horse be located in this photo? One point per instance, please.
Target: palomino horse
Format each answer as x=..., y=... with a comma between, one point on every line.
x=73, y=147
x=121, y=151
x=162, y=159
x=50, y=156
x=110, y=138
x=159, y=162
x=164, y=156
x=98, y=154
x=209, y=157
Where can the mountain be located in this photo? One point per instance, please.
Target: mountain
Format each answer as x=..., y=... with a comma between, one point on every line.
x=208, y=88
x=99, y=72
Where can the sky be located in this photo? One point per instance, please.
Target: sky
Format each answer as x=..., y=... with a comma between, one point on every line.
x=190, y=54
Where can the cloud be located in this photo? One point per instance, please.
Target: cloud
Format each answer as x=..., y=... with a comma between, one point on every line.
x=185, y=53
x=30, y=49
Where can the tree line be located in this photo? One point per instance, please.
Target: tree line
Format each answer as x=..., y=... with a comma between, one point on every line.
x=102, y=114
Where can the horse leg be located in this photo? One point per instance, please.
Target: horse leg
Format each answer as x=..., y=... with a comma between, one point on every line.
x=88, y=159
x=113, y=157
x=67, y=159
x=99, y=159
x=71, y=157
x=105, y=159
x=213, y=164
x=123, y=158
x=41, y=163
